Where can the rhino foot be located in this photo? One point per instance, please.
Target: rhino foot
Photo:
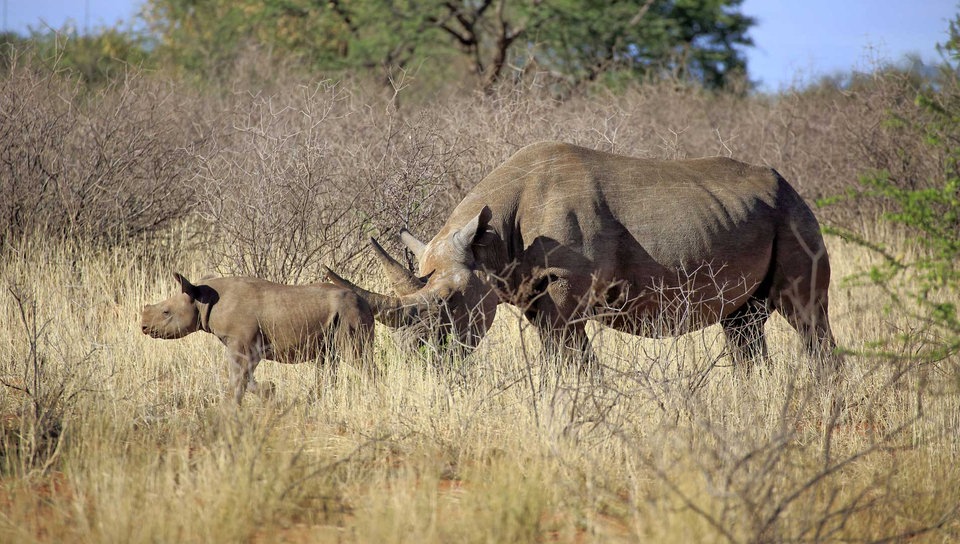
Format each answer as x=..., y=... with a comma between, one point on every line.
x=265, y=390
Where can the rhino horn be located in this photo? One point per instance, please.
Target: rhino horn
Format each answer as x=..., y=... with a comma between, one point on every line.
x=388, y=310
x=413, y=244
x=403, y=281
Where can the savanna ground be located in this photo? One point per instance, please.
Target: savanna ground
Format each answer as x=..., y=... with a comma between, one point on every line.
x=109, y=435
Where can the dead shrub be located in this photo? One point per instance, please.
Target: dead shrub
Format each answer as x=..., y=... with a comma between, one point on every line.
x=303, y=176
x=268, y=190
x=45, y=381
x=103, y=165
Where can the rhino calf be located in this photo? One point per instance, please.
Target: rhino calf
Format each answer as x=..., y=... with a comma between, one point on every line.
x=258, y=319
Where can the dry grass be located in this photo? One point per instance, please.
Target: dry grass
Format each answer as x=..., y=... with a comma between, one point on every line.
x=149, y=450
x=109, y=435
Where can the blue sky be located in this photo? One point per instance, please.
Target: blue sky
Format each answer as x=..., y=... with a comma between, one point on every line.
x=796, y=41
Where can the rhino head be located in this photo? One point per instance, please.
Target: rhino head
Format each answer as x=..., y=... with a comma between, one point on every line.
x=178, y=315
x=452, y=298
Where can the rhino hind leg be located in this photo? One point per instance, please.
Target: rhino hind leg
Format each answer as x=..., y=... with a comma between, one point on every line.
x=800, y=293
x=266, y=390
x=570, y=344
x=746, y=340
x=361, y=343
x=812, y=322
x=352, y=340
x=347, y=341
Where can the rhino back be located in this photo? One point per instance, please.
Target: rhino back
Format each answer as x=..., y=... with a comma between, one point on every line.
x=288, y=316
x=595, y=204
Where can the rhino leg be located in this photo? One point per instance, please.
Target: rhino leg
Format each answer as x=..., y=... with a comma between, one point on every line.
x=353, y=339
x=346, y=342
x=265, y=390
x=324, y=366
x=744, y=332
x=359, y=344
x=554, y=309
x=800, y=293
x=242, y=363
x=812, y=322
x=570, y=343
x=241, y=367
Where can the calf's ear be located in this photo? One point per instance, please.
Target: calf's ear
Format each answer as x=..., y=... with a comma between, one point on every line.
x=185, y=285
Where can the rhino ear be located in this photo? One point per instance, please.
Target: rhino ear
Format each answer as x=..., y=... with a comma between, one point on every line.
x=467, y=234
x=185, y=285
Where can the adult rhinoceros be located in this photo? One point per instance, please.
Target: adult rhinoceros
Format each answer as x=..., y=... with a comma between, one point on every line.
x=645, y=246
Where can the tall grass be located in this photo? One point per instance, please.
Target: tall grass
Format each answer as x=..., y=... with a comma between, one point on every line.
x=669, y=446
x=150, y=450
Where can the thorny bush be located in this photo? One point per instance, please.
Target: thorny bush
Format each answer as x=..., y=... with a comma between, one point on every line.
x=107, y=166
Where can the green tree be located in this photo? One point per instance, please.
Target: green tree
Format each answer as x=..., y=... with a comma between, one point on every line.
x=700, y=40
x=928, y=210
x=207, y=36
x=577, y=40
x=97, y=57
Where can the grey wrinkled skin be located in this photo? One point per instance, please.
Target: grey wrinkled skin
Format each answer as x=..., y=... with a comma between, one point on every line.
x=257, y=319
x=645, y=246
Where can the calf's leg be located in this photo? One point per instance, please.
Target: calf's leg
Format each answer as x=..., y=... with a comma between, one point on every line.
x=242, y=362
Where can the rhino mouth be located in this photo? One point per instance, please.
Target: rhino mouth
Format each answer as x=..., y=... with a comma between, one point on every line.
x=161, y=334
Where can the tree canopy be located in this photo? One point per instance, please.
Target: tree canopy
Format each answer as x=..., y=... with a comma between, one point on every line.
x=572, y=41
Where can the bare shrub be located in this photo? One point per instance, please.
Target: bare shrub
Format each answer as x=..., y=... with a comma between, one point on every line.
x=269, y=193
x=106, y=166
x=283, y=192
x=417, y=173
x=820, y=138
x=302, y=176
x=776, y=456
x=47, y=381
x=306, y=157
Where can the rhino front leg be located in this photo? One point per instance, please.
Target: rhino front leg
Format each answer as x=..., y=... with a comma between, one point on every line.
x=264, y=390
x=571, y=345
x=556, y=309
x=242, y=364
